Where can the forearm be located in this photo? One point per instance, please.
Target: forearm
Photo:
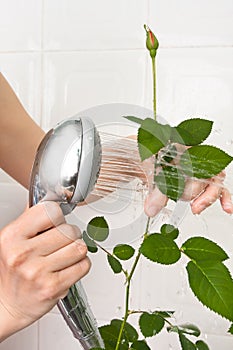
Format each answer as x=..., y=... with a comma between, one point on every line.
x=20, y=136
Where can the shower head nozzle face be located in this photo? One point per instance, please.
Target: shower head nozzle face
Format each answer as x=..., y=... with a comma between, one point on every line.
x=67, y=164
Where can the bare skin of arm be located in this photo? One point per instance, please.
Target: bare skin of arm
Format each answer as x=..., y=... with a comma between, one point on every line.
x=20, y=135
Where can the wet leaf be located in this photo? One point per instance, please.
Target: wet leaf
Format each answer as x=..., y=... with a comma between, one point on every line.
x=109, y=333
x=134, y=119
x=186, y=344
x=200, y=345
x=212, y=284
x=139, y=345
x=192, y=132
x=114, y=263
x=91, y=246
x=190, y=329
x=129, y=333
x=204, y=161
x=123, y=251
x=150, y=324
x=160, y=249
x=169, y=231
x=98, y=229
x=170, y=182
x=152, y=136
x=200, y=248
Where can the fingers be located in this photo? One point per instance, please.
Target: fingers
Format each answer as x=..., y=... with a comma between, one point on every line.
x=211, y=193
x=226, y=201
x=50, y=241
x=67, y=256
x=38, y=219
x=193, y=189
x=72, y=274
x=155, y=202
x=202, y=193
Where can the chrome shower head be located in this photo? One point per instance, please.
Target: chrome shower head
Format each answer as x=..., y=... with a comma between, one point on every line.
x=67, y=164
x=65, y=170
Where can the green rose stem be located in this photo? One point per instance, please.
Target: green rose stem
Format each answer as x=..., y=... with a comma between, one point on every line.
x=152, y=45
x=128, y=283
x=154, y=85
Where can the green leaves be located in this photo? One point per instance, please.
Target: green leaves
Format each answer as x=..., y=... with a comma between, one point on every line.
x=186, y=344
x=200, y=345
x=129, y=333
x=200, y=248
x=139, y=345
x=114, y=263
x=152, y=136
x=189, y=329
x=123, y=251
x=204, y=161
x=170, y=182
x=160, y=249
x=110, y=334
x=211, y=282
x=200, y=161
x=98, y=229
x=192, y=132
x=91, y=246
x=209, y=278
x=169, y=231
x=134, y=119
x=150, y=324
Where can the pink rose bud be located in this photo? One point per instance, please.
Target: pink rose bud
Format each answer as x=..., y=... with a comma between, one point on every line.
x=152, y=43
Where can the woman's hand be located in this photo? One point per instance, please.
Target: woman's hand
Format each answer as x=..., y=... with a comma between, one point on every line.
x=37, y=270
x=200, y=193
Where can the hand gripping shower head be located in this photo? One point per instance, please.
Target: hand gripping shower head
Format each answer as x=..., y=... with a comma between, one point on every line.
x=65, y=170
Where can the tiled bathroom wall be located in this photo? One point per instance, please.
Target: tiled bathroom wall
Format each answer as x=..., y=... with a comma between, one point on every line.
x=63, y=57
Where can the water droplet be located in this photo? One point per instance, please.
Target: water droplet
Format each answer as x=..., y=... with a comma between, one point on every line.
x=229, y=142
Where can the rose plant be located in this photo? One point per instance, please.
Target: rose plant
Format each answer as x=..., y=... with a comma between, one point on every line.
x=209, y=278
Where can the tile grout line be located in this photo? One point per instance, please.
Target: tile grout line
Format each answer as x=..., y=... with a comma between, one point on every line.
x=120, y=49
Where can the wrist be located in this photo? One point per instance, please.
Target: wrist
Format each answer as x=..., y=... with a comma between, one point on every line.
x=8, y=323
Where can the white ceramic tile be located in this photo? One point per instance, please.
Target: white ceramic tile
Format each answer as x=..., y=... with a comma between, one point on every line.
x=94, y=25
x=23, y=72
x=13, y=199
x=5, y=178
x=20, y=25
x=77, y=81
x=23, y=340
x=217, y=342
x=54, y=333
x=188, y=22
